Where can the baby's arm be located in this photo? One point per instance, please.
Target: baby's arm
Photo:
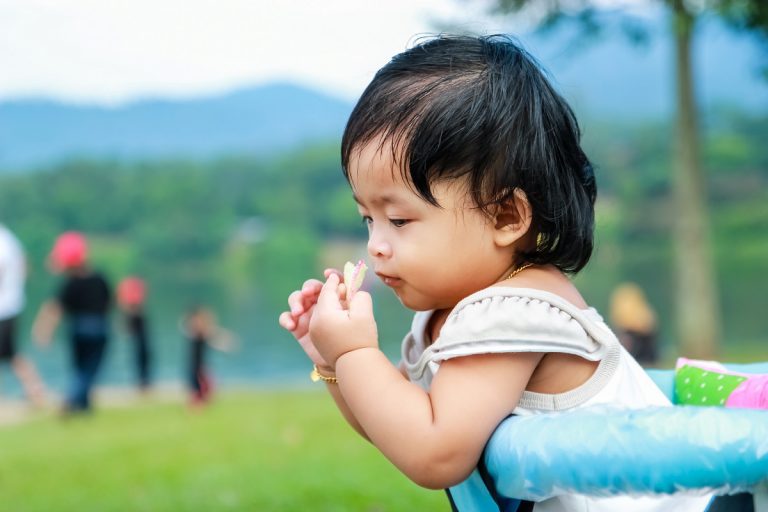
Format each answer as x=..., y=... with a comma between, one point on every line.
x=435, y=438
x=296, y=321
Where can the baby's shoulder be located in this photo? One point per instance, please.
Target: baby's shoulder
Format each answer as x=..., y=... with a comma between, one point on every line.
x=503, y=319
x=532, y=302
x=547, y=279
x=531, y=315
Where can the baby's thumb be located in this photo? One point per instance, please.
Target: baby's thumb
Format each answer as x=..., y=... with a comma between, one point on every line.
x=361, y=305
x=328, y=299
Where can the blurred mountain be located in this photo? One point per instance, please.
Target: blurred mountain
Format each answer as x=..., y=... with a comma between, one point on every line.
x=258, y=120
x=607, y=77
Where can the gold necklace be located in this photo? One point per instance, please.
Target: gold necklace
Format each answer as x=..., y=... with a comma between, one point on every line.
x=518, y=270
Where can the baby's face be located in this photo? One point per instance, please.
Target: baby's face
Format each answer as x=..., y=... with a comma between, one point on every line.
x=431, y=257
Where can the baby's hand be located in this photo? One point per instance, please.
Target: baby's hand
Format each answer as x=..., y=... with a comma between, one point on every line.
x=301, y=304
x=337, y=328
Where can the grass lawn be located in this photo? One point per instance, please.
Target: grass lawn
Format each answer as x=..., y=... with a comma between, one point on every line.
x=255, y=451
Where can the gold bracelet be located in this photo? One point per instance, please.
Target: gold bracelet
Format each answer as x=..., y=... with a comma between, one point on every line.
x=315, y=375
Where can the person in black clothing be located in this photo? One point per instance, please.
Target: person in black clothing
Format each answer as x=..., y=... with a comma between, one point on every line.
x=201, y=330
x=84, y=299
x=131, y=294
x=136, y=323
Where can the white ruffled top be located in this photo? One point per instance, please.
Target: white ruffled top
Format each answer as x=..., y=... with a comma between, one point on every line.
x=507, y=320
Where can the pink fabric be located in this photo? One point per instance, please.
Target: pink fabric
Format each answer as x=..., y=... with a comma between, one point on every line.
x=712, y=366
x=751, y=394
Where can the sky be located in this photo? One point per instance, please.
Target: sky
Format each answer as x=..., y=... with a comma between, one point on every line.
x=115, y=51
x=109, y=51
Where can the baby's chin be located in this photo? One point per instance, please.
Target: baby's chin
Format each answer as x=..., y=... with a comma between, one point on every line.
x=415, y=303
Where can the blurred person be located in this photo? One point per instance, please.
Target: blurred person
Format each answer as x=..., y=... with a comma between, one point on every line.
x=13, y=271
x=201, y=330
x=84, y=298
x=131, y=297
x=634, y=322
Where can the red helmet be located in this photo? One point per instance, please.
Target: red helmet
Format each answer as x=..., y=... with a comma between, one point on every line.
x=131, y=292
x=69, y=251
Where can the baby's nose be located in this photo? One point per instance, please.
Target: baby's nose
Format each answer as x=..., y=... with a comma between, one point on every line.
x=379, y=248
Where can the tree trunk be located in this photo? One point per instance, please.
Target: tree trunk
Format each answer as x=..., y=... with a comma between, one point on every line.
x=697, y=305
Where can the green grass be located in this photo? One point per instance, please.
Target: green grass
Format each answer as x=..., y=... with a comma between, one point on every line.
x=256, y=451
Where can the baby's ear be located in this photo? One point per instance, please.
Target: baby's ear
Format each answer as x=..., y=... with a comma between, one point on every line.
x=512, y=219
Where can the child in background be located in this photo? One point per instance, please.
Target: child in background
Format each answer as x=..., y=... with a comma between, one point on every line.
x=84, y=299
x=201, y=330
x=131, y=296
x=467, y=169
x=634, y=322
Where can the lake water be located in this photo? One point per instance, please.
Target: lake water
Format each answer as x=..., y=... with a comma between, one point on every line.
x=266, y=355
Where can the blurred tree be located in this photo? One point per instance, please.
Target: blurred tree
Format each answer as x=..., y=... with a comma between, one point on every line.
x=239, y=231
x=696, y=297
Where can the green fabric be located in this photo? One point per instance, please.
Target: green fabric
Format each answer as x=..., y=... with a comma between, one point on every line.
x=698, y=386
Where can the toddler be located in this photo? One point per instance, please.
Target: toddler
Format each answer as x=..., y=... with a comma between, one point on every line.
x=467, y=169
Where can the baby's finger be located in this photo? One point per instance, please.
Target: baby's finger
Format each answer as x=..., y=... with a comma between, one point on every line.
x=302, y=324
x=309, y=293
x=329, y=296
x=327, y=272
x=361, y=305
x=296, y=303
x=286, y=321
x=311, y=286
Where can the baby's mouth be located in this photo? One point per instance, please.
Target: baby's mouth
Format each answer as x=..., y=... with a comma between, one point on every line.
x=389, y=280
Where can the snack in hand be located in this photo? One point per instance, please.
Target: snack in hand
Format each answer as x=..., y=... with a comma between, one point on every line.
x=353, y=277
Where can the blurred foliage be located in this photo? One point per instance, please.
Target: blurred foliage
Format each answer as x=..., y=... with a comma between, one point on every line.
x=185, y=226
x=241, y=233
x=590, y=17
x=636, y=216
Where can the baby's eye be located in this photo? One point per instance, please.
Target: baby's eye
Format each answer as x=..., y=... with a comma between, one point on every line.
x=398, y=223
x=367, y=220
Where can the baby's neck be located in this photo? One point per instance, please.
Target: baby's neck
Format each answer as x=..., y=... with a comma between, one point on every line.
x=436, y=321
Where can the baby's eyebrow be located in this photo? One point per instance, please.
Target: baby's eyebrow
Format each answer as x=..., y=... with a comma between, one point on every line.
x=383, y=199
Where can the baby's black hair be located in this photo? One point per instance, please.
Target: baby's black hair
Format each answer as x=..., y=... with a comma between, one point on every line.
x=480, y=108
